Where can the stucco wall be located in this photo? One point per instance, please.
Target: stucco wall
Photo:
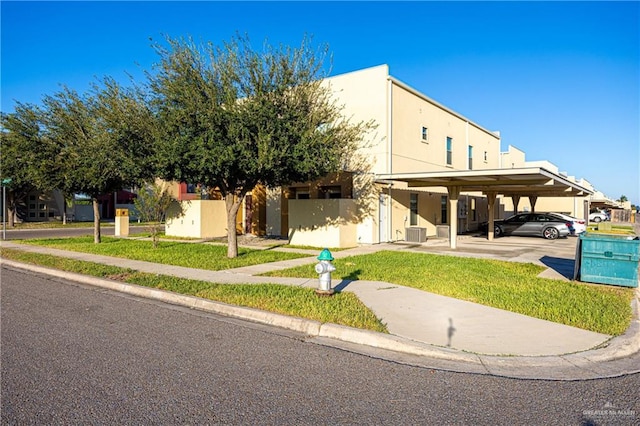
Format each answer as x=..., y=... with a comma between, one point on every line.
x=412, y=153
x=323, y=223
x=573, y=206
x=513, y=158
x=201, y=219
x=363, y=94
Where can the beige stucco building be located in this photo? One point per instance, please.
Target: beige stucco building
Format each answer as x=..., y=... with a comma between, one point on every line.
x=413, y=134
x=432, y=173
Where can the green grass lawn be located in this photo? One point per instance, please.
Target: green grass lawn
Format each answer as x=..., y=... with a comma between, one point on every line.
x=342, y=308
x=202, y=256
x=506, y=285
x=615, y=229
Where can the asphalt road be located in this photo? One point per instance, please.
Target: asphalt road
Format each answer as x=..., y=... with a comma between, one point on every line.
x=22, y=234
x=74, y=355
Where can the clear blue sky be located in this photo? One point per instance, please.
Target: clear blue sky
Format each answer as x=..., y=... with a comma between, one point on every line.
x=559, y=80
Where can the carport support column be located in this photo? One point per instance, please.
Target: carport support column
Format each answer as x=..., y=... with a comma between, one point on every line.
x=532, y=201
x=516, y=200
x=491, y=202
x=586, y=210
x=454, y=193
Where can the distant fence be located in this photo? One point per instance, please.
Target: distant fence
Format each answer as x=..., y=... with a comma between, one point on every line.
x=621, y=215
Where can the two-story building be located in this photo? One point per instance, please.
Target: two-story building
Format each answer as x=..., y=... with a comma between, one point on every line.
x=430, y=172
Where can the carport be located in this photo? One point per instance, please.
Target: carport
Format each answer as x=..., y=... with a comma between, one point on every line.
x=531, y=182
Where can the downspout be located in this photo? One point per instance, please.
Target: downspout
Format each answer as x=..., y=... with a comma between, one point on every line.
x=389, y=125
x=390, y=220
x=466, y=137
x=390, y=160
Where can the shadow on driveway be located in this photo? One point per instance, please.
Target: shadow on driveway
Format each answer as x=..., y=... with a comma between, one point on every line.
x=564, y=267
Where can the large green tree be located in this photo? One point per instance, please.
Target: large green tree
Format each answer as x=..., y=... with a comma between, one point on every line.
x=26, y=163
x=103, y=140
x=233, y=117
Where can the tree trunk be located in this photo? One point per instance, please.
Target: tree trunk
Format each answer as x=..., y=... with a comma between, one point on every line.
x=96, y=221
x=155, y=231
x=232, y=205
x=64, y=210
x=10, y=210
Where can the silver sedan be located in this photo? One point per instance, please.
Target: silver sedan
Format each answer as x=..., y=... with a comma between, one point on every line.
x=532, y=224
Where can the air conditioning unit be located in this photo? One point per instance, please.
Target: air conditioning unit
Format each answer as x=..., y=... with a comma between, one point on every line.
x=442, y=231
x=415, y=235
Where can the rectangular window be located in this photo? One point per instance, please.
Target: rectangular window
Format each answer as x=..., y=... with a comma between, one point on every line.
x=449, y=151
x=470, y=157
x=485, y=156
x=413, y=207
x=425, y=134
x=302, y=194
x=443, y=209
x=473, y=210
x=327, y=192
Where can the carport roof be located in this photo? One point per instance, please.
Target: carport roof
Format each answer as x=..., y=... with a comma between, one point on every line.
x=529, y=181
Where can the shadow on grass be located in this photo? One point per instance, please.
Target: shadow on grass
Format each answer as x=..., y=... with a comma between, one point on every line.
x=353, y=275
x=348, y=279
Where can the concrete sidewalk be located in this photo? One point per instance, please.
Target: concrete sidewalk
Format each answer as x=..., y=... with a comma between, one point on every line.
x=456, y=335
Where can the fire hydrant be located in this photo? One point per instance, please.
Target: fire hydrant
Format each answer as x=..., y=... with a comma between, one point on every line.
x=324, y=268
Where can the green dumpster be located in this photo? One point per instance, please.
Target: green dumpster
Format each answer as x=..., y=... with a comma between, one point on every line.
x=609, y=259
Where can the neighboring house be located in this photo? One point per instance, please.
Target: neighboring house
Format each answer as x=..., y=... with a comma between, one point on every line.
x=48, y=206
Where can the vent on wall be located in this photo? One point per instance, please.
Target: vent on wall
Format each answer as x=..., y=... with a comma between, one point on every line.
x=415, y=235
x=442, y=231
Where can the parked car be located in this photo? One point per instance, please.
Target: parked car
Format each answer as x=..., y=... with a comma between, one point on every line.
x=598, y=216
x=531, y=225
x=578, y=226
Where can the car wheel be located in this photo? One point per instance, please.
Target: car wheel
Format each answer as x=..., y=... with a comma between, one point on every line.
x=550, y=233
x=597, y=219
x=497, y=231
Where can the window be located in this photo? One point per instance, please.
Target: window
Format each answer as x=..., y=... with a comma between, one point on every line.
x=485, y=156
x=473, y=210
x=413, y=207
x=449, y=153
x=425, y=134
x=302, y=194
x=327, y=192
x=470, y=157
x=443, y=209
